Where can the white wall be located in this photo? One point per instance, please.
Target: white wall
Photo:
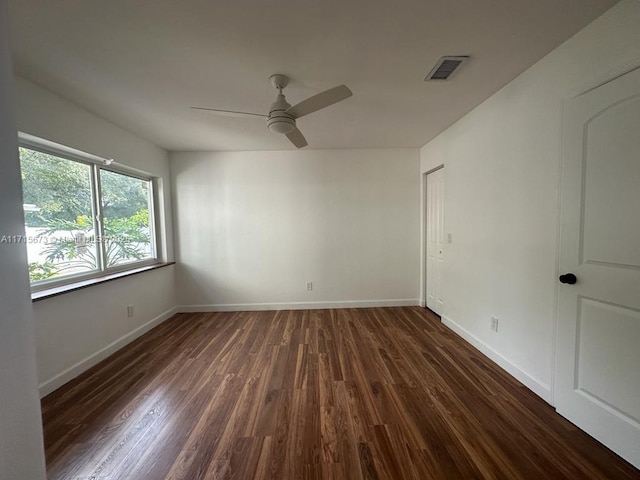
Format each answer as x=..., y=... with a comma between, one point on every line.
x=21, y=451
x=502, y=164
x=253, y=227
x=77, y=329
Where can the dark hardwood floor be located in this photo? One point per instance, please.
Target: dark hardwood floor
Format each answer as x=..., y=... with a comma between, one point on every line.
x=385, y=393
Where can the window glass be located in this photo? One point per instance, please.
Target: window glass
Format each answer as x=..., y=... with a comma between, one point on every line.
x=59, y=224
x=126, y=209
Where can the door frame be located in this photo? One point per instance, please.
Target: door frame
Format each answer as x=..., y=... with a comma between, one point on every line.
x=423, y=231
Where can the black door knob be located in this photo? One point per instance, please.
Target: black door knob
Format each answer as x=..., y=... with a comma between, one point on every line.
x=569, y=278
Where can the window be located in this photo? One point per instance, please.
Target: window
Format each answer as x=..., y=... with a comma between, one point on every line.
x=83, y=218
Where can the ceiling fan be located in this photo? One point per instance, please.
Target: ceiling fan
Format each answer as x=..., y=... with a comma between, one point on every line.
x=282, y=116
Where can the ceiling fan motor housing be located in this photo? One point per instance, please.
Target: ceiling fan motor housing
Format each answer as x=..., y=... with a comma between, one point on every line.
x=279, y=120
x=281, y=123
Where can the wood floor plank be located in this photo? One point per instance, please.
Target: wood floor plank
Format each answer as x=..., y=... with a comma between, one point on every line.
x=354, y=394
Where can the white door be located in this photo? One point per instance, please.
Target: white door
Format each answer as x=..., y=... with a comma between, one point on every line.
x=435, y=239
x=598, y=359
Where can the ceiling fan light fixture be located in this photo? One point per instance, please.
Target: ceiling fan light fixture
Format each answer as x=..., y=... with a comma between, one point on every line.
x=281, y=124
x=281, y=127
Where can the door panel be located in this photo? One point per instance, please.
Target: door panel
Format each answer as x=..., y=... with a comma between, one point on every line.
x=608, y=357
x=612, y=188
x=598, y=343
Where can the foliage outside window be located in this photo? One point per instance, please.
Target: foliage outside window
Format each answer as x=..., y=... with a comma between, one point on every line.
x=83, y=219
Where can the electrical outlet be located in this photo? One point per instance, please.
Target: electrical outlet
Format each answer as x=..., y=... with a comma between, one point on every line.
x=309, y=286
x=129, y=310
x=494, y=324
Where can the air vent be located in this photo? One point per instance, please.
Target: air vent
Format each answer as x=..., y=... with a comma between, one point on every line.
x=445, y=67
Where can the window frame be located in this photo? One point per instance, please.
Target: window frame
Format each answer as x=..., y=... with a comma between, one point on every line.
x=96, y=164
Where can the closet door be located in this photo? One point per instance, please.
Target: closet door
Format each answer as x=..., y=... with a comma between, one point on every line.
x=435, y=239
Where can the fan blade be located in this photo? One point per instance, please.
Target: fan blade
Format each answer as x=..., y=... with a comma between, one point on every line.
x=319, y=101
x=230, y=113
x=296, y=137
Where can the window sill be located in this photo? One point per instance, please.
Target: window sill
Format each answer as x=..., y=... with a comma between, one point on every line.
x=72, y=287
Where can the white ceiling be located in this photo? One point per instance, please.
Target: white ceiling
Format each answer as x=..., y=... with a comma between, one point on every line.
x=142, y=63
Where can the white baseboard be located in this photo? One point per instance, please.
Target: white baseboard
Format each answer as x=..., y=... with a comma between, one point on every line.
x=240, y=307
x=537, y=387
x=72, y=372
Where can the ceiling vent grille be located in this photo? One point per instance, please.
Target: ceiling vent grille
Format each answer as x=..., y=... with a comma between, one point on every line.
x=445, y=68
